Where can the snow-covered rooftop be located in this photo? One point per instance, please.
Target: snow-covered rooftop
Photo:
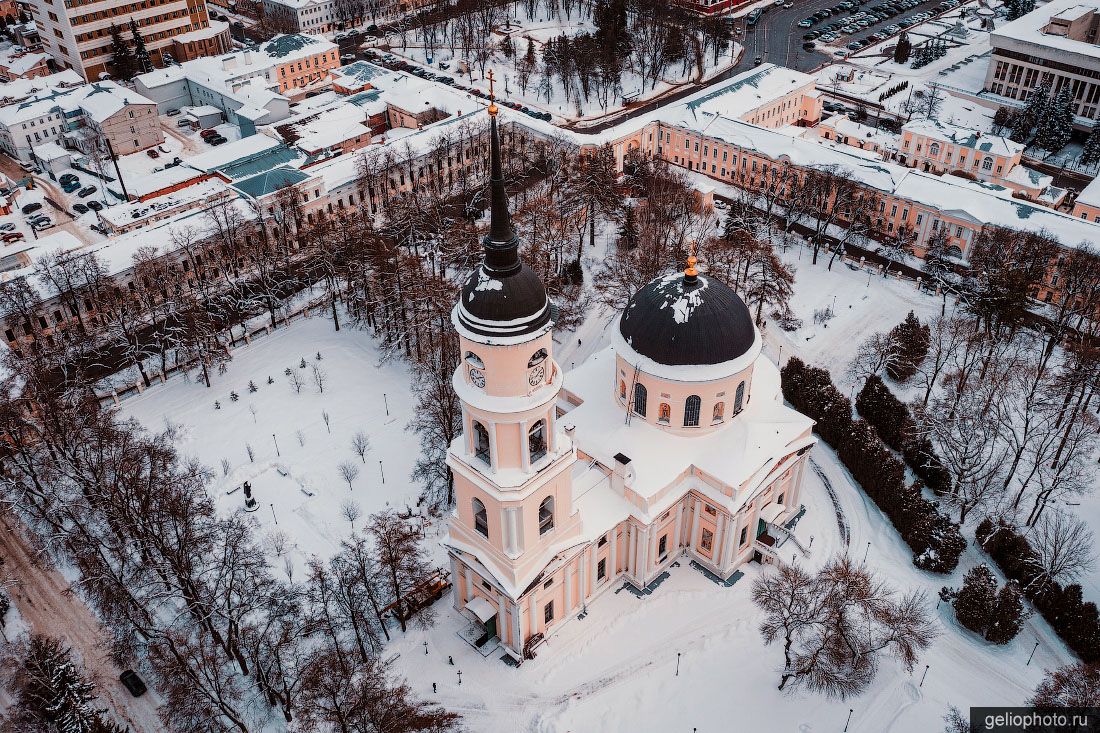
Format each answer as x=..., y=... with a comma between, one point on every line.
x=1029, y=30
x=963, y=137
x=202, y=34
x=1090, y=196
x=233, y=152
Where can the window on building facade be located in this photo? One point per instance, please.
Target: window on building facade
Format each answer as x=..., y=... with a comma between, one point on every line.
x=536, y=440
x=664, y=413
x=640, y=398
x=546, y=515
x=739, y=398
x=548, y=612
x=601, y=570
x=692, y=405
x=707, y=540
x=481, y=518
x=481, y=442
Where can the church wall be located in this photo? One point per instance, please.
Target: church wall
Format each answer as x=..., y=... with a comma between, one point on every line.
x=661, y=392
x=506, y=371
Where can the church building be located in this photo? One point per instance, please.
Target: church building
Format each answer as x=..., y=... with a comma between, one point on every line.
x=671, y=444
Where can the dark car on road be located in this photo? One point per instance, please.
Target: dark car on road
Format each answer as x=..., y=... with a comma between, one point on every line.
x=30, y=208
x=133, y=683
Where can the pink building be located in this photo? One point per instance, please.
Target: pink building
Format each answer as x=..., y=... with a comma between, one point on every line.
x=672, y=444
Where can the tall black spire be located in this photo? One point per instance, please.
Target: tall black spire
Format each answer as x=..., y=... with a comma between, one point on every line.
x=501, y=243
x=503, y=298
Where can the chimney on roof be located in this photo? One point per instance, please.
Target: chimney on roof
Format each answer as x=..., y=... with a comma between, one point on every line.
x=622, y=474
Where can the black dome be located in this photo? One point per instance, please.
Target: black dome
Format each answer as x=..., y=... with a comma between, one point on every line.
x=504, y=304
x=681, y=320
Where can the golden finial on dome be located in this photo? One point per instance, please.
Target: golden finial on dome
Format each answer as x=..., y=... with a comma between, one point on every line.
x=691, y=271
x=493, y=109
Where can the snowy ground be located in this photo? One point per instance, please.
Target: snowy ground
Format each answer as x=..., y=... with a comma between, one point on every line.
x=616, y=669
x=353, y=399
x=540, y=28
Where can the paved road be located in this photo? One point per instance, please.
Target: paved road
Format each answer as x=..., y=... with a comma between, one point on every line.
x=43, y=598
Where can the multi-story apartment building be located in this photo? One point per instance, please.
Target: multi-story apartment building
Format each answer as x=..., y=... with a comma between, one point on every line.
x=251, y=87
x=1055, y=44
x=304, y=16
x=121, y=116
x=210, y=41
x=77, y=33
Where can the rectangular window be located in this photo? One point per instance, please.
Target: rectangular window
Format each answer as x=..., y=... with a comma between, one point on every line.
x=744, y=536
x=548, y=612
x=707, y=540
x=601, y=570
x=713, y=511
x=662, y=546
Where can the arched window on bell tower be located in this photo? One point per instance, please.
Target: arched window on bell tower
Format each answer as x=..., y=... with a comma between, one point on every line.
x=691, y=411
x=546, y=515
x=536, y=441
x=481, y=443
x=481, y=517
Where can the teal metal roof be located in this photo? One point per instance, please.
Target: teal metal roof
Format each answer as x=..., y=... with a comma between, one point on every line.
x=270, y=182
x=261, y=162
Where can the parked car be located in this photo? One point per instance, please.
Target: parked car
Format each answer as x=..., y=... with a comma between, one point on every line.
x=808, y=46
x=95, y=205
x=185, y=122
x=31, y=208
x=28, y=167
x=219, y=140
x=133, y=683
x=173, y=112
x=9, y=227
x=12, y=237
x=758, y=60
x=70, y=186
x=152, y=153
x=40, y=224
x=86, y=191
x=209, y=132
x=80, y=208
x=66, y=177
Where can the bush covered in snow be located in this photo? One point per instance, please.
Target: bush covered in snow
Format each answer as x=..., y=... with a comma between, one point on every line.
x=996, y=614
x=935, y=540
x=1075, y=620
x=891, y=419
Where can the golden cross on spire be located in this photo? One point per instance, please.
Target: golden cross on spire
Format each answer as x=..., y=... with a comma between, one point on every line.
x=493, y=109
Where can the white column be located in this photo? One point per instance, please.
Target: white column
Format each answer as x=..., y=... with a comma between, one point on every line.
x=731, y=534
x=469, y=584
x=568, y=587
x=582, y=592
x=533, y=614
x=695, y=524
x=679, y=525
x=525, y=455
x=593, y=551
x=517, y=628
x=493, y=447
x=614, y=553
x=720, y=540
x=634, y=566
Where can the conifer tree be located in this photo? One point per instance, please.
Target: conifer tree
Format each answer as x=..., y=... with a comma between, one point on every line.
x=910, y=340
x=52, y=692
x=142, y=63
x=1008, y=616
x=1056, y=126
x=123, y=58
x=903, y=49
x=628, y=232
x=1090, y=153
x=977, y=599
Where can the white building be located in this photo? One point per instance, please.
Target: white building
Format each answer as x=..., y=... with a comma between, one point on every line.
x=1055, y=44
x=304, y=16
x=251, y=87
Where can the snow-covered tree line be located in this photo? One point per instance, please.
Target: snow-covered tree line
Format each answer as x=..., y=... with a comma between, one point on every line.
x=192, y=597
x=650, y=39
x=1003, y=396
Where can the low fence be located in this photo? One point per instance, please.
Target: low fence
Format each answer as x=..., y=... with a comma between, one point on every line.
x=122, y=392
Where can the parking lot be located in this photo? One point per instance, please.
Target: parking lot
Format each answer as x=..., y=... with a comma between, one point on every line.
x=778, y=38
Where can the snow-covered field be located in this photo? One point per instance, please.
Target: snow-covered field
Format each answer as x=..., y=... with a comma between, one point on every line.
x=615, y=670
x=357, y=392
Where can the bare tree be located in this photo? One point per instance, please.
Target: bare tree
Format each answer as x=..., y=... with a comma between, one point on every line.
x=1063, y=546
x=349, y=472
x=835, y=625
x=351, y=511
x=320, y=376
x=296, y=381
x=360, y=443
